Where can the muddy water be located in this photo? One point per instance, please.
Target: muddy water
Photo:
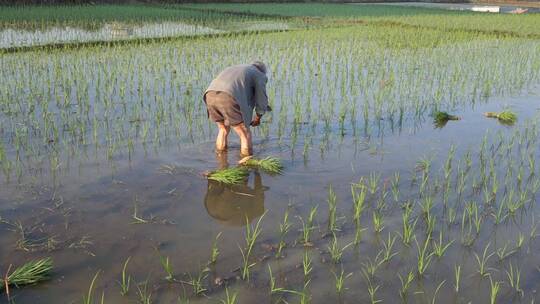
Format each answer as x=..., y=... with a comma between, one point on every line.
x=86, y=221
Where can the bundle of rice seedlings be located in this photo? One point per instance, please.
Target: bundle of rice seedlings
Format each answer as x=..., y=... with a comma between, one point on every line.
x=506, y=116
x=29, y=273
x=229, y=176
x=269, y=164
x=441, y=118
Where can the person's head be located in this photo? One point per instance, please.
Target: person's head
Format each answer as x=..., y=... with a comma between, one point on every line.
x=260, y=66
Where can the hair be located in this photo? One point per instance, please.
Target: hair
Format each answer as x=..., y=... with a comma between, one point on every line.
x=259, y=65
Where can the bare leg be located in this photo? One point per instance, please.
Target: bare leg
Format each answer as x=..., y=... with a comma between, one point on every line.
x=245, y=139
x=221, y=140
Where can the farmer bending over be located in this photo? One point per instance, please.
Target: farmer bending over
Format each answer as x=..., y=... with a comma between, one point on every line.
x=230, y=100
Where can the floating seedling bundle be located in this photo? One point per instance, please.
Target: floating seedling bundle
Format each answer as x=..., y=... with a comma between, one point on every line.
x=506, y=117
x=271, y=165
x=235, y=175
x=441, y=118
x=30, y=273
x=229, y=176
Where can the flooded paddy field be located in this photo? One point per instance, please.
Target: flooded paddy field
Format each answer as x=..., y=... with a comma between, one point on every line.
x=104, y=148
x=24, y=27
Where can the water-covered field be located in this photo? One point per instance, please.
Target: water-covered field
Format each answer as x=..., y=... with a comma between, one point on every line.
x=103, y=149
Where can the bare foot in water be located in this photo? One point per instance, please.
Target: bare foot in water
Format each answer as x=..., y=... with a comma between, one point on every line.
x=246, y=153
x=245, y=159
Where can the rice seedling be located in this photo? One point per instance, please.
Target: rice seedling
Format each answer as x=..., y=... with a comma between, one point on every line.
x=308, y=226
x=273, y=288
x=125, y=281
x=28, y=244
x=405, y=284
x=437, y=291
x=89, y=297
x=336, y=252
x=381, y=201
x=431, y=222
x=229, y=298
x=251, y=235
x=506, y=117
x=423, y=257
x=448, y=163
x=408, y=226
x=378, y=222
x=500, y=215
x=166, y=264
x=451, y=216
x=471, y=219
x=494, y=290
x=504, y=252
x=358, y=230
x=457, y=277
x=424, y=182
x=332, y=210
x=514, y=278
x=137, y=218
x=371, y=266
x=215, y=250
x=144, y=294
x=304, y=294
x=482, y=261
x=520, y=240
x=387, y=253
x=426, y=204
x=340, y=280
x=423, y=165
x=246, y=265
x=197, y=282
x=358, y=200
x=307, y=265
x=439, y=248
x=395, y=187
x=29, y=273
x=372, y=290
x=271, y=165
x=284, y=228
x=373, y=182
x=534, y=228
x=229, y=176
x=512, y=205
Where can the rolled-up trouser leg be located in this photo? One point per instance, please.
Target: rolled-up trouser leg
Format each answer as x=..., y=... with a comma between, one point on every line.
x=223, y=108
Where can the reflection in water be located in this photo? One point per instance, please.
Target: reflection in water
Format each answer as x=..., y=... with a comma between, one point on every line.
x=108, y=32
x=14, y=37
x=234, y=205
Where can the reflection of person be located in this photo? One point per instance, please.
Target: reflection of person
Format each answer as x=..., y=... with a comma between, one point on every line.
x=231, y=98
x=235, y=205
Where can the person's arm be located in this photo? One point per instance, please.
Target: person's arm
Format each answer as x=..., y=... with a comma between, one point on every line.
x=261, y=98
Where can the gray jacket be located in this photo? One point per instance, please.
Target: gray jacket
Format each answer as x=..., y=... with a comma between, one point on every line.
x=247, y=85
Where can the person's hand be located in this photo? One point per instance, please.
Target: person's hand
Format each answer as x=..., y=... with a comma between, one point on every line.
x=256, y=121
